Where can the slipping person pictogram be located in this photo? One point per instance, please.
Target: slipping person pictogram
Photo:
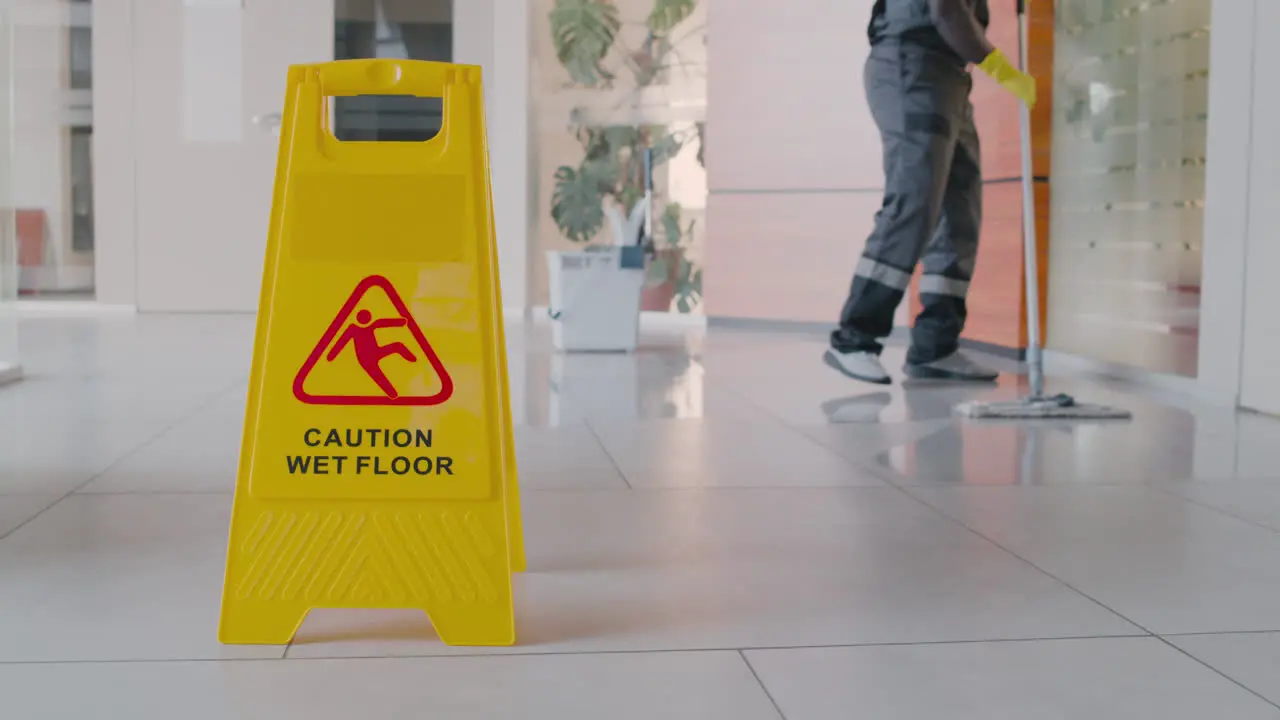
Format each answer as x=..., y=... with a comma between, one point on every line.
x=356, y=331
x=363, y=337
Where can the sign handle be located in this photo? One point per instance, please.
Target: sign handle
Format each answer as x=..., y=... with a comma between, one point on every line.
x=344, y=78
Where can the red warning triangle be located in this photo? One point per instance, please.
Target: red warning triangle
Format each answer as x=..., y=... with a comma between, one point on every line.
x=359, y=336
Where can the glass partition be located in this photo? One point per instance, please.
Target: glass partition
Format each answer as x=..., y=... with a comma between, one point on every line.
x=1130, y=97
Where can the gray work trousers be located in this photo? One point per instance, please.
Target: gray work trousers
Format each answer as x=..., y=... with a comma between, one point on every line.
x=932, y=208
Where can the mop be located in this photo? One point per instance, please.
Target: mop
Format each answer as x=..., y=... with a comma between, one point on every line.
x=1037, y=404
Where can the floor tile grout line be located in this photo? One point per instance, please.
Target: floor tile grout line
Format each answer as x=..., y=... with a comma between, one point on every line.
x=601, y=653
x=1212, y=633
x=1212, y=508
x=961, y=524
x=1029, y=563
x=943, y=424
x=56, y=499
x=895, y=480
x=653, y=489
x=905, y=490
x=159, y=492
x=209, y=402
x=763, y=688
x=143, y=446
x=860, y=464
x=1218, y=672
x=612, y=460
x=782, y=421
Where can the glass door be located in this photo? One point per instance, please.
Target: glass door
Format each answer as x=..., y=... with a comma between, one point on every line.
x=51, y=47
x=407, y=29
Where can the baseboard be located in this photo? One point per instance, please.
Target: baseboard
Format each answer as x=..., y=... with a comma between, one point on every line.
x=667, y=320
x=1000, y=351
x=899, y=334
x=799, y=327
x=72, y=307
x=649, y=319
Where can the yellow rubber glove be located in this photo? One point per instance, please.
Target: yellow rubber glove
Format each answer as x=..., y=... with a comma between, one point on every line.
x=1022, y=85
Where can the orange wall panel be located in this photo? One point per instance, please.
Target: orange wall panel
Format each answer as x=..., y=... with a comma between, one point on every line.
x=995, y=297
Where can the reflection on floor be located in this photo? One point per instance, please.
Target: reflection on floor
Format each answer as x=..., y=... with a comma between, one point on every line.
x=718, y=527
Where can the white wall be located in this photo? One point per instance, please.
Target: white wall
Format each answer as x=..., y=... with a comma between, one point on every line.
x=497, y=41
x=1239, y=327
x=793, y=157
x=1260, y=367
x=1226, y=200
x=500, y=43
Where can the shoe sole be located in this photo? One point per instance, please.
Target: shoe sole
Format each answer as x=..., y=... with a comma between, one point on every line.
x=835, y=365
x=924, y=372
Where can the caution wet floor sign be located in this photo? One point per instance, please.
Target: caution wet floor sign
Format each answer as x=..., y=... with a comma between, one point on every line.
x=377, y=469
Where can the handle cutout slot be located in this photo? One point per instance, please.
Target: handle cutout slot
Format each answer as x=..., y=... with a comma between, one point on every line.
x=385, y=118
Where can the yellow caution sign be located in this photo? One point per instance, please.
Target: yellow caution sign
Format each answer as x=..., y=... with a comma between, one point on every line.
x=377, y=468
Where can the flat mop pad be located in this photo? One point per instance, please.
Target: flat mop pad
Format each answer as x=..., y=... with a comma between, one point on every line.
x=1048, y=408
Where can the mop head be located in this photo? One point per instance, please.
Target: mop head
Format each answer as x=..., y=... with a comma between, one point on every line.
x=1048, y=408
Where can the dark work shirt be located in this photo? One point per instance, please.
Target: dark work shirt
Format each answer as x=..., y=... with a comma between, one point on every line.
x=916, y=26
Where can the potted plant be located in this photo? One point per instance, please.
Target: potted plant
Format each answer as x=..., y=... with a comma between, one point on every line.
x=610, y=176
x=673, y=276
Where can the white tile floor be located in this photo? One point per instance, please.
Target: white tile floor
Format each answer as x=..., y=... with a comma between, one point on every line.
x=718, y=527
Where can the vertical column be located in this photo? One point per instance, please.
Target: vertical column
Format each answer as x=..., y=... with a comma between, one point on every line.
x=10, y=368
x=1227, y=192
x=1260, y=373
x=509, y=147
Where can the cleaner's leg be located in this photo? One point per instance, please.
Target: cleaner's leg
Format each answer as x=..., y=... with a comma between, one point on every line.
x=948, y=261
x=916, y=99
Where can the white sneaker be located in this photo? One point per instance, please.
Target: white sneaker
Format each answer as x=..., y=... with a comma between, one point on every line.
x=955, y=366
x=862, y=365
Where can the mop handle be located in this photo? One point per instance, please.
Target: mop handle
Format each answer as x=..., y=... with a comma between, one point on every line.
x=1035, y=362
x=648, y=195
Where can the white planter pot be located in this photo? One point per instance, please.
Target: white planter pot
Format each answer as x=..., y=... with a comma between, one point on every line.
x=595, y=299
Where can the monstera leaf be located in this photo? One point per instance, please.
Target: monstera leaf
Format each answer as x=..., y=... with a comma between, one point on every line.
x=583, y=31
x=688, y=286
x=617, y=137
x=670, y=224
x=667, y=14
x=577, y=205
x=702, y=144
x=665, y=147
